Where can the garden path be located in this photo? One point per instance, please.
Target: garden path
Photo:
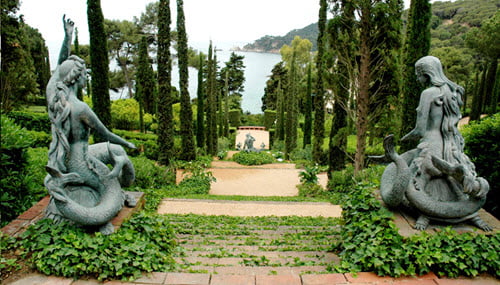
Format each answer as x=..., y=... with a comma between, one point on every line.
x=271, y=244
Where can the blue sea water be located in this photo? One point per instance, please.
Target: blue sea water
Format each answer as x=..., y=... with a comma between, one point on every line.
x=258, y=67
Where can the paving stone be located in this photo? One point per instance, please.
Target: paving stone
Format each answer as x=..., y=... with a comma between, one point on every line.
x=299, y=270
x=323, y=279
x=187, y=278
x=278, y=280
x=152, y=278
x=428, y=276
x=415, y=282
x=479, y=280
x=364, y=277
x=86, y=282
x=40, y=279
x=115, y=282
x=232, y=280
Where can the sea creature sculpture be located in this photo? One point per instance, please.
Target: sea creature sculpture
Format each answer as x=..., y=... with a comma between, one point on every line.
x=436, y=179
x=83, y=189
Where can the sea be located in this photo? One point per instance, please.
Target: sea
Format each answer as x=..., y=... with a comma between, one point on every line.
x=258, y=67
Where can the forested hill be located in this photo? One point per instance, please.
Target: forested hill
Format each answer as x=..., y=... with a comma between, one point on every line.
x=448, y=17
x=273, y=44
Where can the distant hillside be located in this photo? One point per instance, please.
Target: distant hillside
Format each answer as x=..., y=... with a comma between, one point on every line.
x=273, y=44
x=451, y=20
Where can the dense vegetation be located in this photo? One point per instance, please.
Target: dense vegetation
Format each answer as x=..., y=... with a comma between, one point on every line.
x=358, y=69
x=274, y=43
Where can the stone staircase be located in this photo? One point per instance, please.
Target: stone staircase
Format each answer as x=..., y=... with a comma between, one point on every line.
x=246, y=246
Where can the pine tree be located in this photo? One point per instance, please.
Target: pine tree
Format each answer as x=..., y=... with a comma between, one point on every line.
x=308, y=108
x=188, y=149
x=165, y=117
x=319, y=100
x=417, y=45
x=99, y=63
x=200, y=122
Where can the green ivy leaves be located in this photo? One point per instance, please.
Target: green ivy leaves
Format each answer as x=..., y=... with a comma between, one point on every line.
x=143, y=244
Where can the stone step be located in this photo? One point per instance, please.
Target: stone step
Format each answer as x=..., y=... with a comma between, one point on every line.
x=254, y=270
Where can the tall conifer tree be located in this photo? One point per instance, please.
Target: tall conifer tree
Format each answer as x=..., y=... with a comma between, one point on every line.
x=188, y=150
x=165, y=117
x=200, y=122
x=280, y=114
x=145, y=78
x=308, y=108
x=211, y=134
x=417, y=44
x=341, y=30
x=76, y=44
x=291, y=109
x=145, y=84
x=319, y=100
x=99, y=63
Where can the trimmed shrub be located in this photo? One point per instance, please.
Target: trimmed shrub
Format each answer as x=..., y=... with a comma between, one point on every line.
x=253, y=158
x=14, y=197
x=145, y=143
x=40, y=139
x=125, y=115
x=148, y=174
x=482, y=145
x=32, y=121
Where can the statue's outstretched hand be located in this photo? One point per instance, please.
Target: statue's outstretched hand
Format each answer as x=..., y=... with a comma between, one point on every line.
x=68, y=26
x=411, y=136
x=131, y=145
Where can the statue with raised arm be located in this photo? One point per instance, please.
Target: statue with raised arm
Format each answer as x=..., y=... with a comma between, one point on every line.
x=248, y=146
x=436, y=180
x=83, y=189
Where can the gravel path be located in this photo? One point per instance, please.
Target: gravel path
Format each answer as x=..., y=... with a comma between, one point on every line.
x=248, y=208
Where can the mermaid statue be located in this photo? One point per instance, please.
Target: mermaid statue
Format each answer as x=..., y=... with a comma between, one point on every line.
x=83, y=189
x=436, y=180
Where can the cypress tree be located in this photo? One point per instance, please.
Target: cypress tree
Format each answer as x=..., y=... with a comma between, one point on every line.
x=280, y=114
x=99, y=63
x=165, y=116
x=308, y=108
x=188, y=150
x=211, y=134
x=226, y=106
x=340, y=33
x=417, y=45
x=200, y=123
x=145, y=79
x=76, y=44
x=319, y=101
x=291, y=110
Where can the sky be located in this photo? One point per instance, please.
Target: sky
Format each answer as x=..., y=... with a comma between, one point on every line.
x=227, y=23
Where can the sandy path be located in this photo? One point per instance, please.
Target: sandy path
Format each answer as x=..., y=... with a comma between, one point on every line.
x=278, y=179
x=248, y=208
